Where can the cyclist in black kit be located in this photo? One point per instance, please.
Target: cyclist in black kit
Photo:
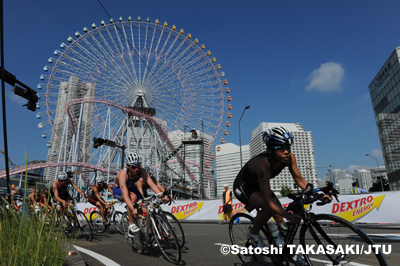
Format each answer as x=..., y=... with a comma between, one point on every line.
x=252, y=185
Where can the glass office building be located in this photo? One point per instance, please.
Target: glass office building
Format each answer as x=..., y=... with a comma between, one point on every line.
x=385, y=97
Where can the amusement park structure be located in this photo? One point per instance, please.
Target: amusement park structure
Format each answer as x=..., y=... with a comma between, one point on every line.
x=142, y=86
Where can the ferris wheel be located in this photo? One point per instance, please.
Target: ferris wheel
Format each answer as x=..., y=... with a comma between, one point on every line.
x=134, y=82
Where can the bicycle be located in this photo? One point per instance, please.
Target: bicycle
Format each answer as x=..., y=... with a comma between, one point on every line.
x=111, y=215
x=161, y=229
x=175, y=224
x=74, y=221
x=327, y=231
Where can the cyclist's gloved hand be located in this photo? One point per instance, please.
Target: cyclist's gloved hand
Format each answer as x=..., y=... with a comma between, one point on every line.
x=309, y=189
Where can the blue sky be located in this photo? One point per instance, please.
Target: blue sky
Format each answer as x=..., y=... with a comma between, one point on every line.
x=307, y=62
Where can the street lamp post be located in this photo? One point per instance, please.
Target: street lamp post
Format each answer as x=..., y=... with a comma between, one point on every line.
x=240, y=138
x=380, y=177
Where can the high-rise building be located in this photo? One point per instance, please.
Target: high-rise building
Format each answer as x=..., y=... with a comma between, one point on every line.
x=228, y=164
x=334, y=175
x=363, y=178
x=197, y=154
x=385, y=96
x=71, y=90
x=302, y=148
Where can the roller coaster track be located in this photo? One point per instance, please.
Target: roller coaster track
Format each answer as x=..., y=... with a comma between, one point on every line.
x=159, y=129
x=21, y=169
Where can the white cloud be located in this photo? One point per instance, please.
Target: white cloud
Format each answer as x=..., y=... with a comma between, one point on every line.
x=326, y=78
x=351, y=168
x=376, y=153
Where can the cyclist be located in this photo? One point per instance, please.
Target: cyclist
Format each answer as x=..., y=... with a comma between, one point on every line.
x=45, y=200
x=59, y=190
x=126, y=180
x=252, y=184
x=15, y=193
x=34, y=198
x=97, y=200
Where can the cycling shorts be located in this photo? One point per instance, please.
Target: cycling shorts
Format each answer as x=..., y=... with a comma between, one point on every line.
x=92, y=201
x=243, y=191
x=118, y=193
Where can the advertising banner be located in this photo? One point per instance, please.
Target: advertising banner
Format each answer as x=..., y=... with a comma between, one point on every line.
x=360, y=208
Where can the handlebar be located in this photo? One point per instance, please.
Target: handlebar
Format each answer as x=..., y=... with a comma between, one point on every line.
x=307, y=197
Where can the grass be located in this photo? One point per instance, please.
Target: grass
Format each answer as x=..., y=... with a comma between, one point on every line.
x=30, y=240
x=26, y=239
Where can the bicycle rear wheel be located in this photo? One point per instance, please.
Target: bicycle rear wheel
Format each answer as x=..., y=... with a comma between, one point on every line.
x=166, y=238
x=176, y=226
x=117, y=220
x=84, y=226
x=97, y=222
x=326, y=229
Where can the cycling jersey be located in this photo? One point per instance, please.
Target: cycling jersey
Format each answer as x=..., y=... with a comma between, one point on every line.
x=131, y=186
x=246, y=183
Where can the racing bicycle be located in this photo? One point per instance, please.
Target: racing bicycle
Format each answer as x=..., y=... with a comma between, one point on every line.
x=74, y=221
x=327, y=234
x=161, y=229
x=111, y=215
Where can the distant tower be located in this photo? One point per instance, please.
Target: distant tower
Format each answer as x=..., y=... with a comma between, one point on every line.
x=71, y=90
x=302, y=148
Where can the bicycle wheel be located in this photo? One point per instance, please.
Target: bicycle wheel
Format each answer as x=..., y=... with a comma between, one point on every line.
x=176, y=226
x=325, y=230
x=97, y=222
x=118, y=220
x=137, y=242
x=166, y=238
x=84, y=226
x=125, y=221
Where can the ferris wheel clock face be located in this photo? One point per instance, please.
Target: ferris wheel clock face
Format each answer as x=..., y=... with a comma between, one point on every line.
x=143, y=66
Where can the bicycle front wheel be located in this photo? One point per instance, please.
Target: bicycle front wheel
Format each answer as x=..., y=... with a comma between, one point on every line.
x=166, y=238
x=177, y=227
x=97, y=222
x=117, y=220
x=137, y=241
x=84, y=225
x=342, y=241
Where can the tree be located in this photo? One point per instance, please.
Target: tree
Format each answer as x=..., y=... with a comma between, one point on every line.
x=377, y=186
x=285, y=191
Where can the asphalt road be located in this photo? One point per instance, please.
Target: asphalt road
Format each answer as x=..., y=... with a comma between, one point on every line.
x=202, y=246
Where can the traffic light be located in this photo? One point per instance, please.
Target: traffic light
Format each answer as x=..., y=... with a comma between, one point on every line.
x=98, y=142
x=28, y=94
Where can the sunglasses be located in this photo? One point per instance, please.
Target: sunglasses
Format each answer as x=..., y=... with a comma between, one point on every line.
x=283, y=147
x=134, y=167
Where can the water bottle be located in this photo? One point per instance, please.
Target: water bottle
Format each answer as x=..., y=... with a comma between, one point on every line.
x=284, y=228
x=273, y=228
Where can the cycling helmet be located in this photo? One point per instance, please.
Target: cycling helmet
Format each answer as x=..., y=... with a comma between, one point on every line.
x=62, y=176
x=100, y=179
x=17, y=188
x=278, y=136
x=133, y=159
x=148, y=170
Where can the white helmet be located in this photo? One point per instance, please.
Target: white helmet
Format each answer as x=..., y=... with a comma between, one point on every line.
x=100, y=179
x=62, y=176
x=133, y=159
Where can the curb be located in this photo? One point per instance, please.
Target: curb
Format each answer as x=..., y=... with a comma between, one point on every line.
x=74, y=257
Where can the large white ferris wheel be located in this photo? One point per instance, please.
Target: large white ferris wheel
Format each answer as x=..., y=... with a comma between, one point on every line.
x=136, y=83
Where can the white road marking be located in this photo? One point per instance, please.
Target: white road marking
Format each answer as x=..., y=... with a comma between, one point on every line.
x=97, y=256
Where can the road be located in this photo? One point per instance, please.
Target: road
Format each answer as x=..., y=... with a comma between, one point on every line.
x=202, y=247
